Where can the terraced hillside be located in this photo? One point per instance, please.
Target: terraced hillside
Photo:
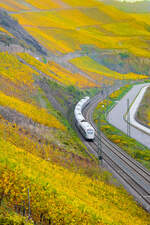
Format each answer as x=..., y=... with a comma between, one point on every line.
x=119, y=40
x=57, y=52
x=103, y=27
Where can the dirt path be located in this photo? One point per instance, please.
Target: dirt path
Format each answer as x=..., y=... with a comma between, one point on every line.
x=25, y=4
x=62, y=4
x=64, y=62
x=14, y=48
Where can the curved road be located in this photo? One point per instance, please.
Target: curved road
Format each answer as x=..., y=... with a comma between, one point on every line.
x=116, y=116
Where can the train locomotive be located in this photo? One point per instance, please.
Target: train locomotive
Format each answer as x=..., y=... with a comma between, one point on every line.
x=85, y=127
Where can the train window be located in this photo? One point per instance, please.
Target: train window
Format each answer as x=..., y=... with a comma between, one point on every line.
x=90, y=131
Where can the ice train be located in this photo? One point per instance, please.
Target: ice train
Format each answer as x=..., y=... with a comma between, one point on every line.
x=85, y=127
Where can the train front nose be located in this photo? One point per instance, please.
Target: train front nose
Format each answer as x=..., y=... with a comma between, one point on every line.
x=90, y=134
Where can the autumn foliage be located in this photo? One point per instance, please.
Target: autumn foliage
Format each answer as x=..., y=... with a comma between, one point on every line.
x=45, y=172
x=55, y=194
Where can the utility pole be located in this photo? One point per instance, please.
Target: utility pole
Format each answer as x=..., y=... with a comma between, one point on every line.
x=29, y=213
x=128, y=118
x=107, y=110
x=104, y=88
x=99, y=140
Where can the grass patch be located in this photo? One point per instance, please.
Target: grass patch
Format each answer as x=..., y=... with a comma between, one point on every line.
x=143, y=113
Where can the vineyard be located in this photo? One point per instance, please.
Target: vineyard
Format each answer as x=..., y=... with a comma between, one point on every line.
x=68, y=50
x=54, y=190
x=58, y=73
x=97, y=71
x=104, y=27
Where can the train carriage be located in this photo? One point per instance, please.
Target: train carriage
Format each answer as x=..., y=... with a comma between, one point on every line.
x=85, y=128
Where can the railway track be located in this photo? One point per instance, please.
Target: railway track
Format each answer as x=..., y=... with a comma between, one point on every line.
x=134, y=177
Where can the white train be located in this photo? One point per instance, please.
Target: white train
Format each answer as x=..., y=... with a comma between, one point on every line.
x=85, y=128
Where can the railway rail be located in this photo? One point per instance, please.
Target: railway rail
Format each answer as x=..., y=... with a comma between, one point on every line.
x=134, y=177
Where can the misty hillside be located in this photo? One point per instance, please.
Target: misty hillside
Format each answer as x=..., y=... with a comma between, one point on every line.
x=127, y=6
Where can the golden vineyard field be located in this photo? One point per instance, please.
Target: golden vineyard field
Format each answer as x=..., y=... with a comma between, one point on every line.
x=55, y=192
x=105, y=27
x=41, y=156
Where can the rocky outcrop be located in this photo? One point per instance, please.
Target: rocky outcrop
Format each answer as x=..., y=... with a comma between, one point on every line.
x=19, y=32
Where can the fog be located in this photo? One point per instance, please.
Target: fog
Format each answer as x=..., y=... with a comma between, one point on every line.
x=132, y=0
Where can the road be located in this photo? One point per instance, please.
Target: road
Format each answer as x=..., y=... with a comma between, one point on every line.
x=116, y=116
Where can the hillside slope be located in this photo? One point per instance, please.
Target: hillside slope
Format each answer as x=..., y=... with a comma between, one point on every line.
x=18, y=34
x=58, y=52
x=92, y=28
